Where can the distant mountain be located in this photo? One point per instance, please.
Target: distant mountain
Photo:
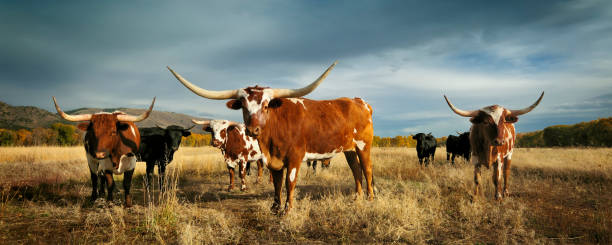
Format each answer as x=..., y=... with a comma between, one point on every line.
x=29, y=117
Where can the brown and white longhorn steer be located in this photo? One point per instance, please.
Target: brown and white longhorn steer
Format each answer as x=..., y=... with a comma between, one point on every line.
x=291, y=129
x=111, y=141
x=237, y=147
x=492, y=138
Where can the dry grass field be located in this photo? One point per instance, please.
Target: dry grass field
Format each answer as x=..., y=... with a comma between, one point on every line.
x=557, y=196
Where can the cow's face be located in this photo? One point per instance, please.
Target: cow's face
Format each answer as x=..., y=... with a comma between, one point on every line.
x=491, y=120
x=255, y=102
x=419, y=137
x=103, y=134
x=174, y=134
x=218, y=129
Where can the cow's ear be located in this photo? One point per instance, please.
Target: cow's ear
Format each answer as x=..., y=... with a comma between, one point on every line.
x=511, y=119
x=275, y=103
x=186, y=133
x=234, y=104
x=83, y=126
x=207, y=129
x=122, y=126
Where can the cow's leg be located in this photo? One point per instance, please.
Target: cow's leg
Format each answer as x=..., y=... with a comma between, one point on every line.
x=314, y=167
x=353, y=162
x=127, y=184
x=248, y=168
x=110, y=183
x=433, y=156
x=231, y=178
x=94, y=186
x=453, y=159
x=259, y=171
x=277, y=177
x=366, y=166
x=242, y=173
x=291, y=180
x=102, y=187
x=476, y=179
x=448, y=157
x=506, y=176
x=149, y=181
x=161, y=168
x=497, y=172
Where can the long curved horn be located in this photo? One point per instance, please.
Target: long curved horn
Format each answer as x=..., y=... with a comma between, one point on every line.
x=294, y=93
x=528, y=109
x=75, y=118
x=204, y=122
x=232, y=123
x=143, y=116
x=215, y=95
x=459, y=111
x=187, y=129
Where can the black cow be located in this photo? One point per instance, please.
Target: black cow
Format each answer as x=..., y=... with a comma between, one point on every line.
x=458, y=146
x=426, y=147
x=157, y=147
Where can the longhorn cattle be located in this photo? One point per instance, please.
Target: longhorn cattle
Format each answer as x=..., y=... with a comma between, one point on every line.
x=426, y=147
x=111, y=142
x=291, y=129
x=458, y=146
x=237, y=147
x=492, y=138
x=157, y=147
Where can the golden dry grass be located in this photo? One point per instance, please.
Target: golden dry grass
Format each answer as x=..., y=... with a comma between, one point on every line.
x=557, y=196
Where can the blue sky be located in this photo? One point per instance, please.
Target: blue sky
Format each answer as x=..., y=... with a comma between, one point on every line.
x=400, y=56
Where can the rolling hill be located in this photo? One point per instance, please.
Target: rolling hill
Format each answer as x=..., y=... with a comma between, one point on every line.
x=29, y=117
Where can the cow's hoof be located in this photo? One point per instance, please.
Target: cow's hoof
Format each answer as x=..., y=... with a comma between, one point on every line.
x=229, y=188
x=275, y=208
x=243, y=188
x=128, y=202
x=506, y=193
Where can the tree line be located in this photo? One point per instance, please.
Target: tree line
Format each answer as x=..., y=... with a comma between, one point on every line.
x=597, y=133
x=60, y=134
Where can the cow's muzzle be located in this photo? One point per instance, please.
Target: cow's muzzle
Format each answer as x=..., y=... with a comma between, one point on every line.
x=101, y=155
x=498, y=142
x=216, y=143
x=254, y=131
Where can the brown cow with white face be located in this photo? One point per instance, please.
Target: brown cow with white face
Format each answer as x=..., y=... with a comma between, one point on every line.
x=291, y=129
x=111, y=140
x=492, y=140
x=237, y=147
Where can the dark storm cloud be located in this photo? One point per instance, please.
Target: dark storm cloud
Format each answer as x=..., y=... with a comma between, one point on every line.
x=398, y=55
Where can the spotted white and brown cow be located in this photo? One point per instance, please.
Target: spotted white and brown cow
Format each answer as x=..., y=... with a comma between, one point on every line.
x=111, y=142
x=291, y=129
x=237, y=147
x=492, y=138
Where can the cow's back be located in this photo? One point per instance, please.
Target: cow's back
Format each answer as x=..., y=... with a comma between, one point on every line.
x=152, y=146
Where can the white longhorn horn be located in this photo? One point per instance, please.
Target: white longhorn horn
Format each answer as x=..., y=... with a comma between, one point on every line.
x=294, y=93
x=72, y=118
x=459, y=111
x=203, y=122
x=527, y=109
x=143, y=116
x=210, y=94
